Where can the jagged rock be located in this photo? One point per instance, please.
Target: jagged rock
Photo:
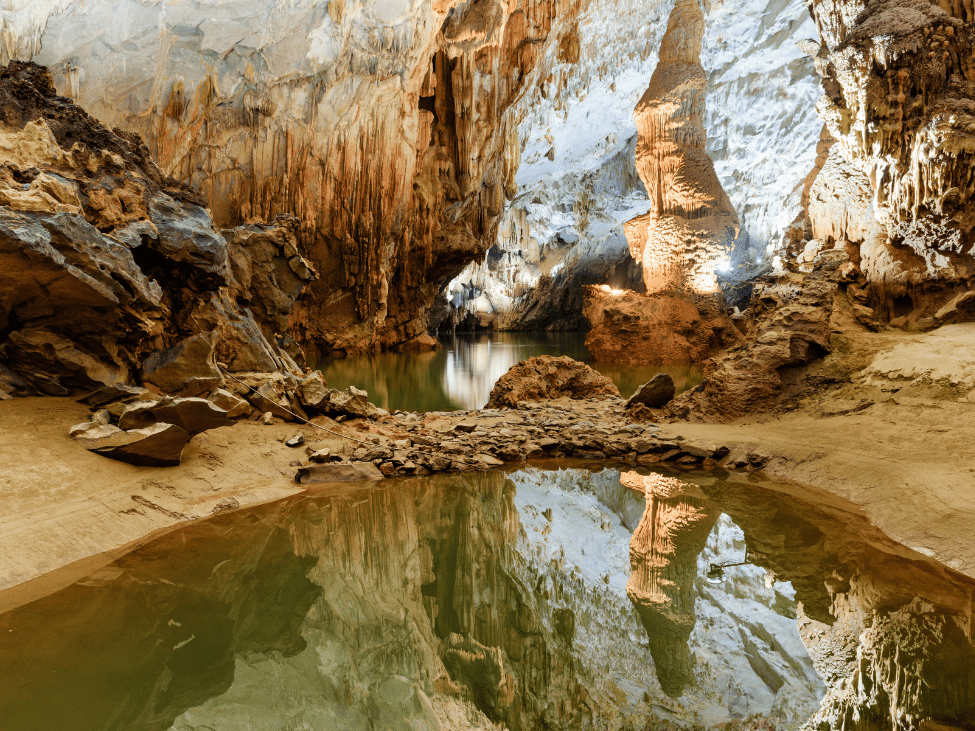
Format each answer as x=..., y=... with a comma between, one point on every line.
x=94, y=288
x=656, y=392
x=792, y=331
x=93, y=430
x=319, y=456
x=117, y=392
x=192, y=359
x=230, y=402
x=295, y=441
x=271, y=398
x=102, y=416
x=632, y=328
x=338, y=473
x=480, y=669
x=549, y=377
x=160, y=445
x=193, y=415
x=313, y=390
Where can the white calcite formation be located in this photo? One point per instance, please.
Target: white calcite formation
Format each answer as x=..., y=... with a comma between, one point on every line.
x=577, y=181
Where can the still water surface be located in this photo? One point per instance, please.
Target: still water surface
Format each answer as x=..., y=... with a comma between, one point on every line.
x=461, y=375
x=557, y=599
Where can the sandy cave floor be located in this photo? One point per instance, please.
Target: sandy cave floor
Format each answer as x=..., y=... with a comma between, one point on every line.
x=898, y=439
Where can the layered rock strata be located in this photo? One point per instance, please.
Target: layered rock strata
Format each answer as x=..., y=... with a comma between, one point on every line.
x=104, y=260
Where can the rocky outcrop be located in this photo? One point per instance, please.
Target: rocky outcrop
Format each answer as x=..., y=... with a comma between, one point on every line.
x=896, y=188
x=790, y=329
x=550, y=377
x=104, y=260
x=632, y=328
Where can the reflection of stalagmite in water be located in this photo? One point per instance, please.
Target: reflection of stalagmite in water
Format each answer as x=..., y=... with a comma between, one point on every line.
x=663, y=562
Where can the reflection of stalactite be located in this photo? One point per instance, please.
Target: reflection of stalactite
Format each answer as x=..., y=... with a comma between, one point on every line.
x=663, y=563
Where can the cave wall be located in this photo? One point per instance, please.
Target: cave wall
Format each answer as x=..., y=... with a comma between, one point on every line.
x=382, y=126
x=896, y=186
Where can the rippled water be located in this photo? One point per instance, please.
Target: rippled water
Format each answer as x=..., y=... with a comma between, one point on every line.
x=462, y=374
x=567, y=599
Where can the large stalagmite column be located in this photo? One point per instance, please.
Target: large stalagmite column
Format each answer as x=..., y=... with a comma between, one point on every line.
x=689, y=232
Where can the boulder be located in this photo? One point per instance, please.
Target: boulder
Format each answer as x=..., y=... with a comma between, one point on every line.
x=271, y=397
x=233, y=404
x=193, y=415
x=191, y=359
x=549, y=377
x=656, y=392
x=313, y=391
x=160, y=445
x=338, y=472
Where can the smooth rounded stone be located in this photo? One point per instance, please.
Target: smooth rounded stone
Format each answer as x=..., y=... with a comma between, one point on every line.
x=160, y=445
x=338, y=473
x=192, y=358
x=656, y=392
x=194, y=415
x=233, y=404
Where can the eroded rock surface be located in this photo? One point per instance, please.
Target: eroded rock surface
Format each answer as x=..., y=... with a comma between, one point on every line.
x=550, y=377
x=105, y=260
x=896, y=186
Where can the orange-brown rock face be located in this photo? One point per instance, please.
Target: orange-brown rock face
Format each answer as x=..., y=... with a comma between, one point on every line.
x=898, y=186
x=381, y=126
x=691, y=227
x=628, y=327
x=663, y=560
x=688, y=234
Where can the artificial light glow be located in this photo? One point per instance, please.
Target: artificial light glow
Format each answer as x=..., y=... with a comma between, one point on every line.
x=609, y=290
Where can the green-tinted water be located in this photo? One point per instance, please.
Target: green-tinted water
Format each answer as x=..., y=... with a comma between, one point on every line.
x=462, y=374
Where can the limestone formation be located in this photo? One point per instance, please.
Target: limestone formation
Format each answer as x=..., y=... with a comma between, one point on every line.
x=632, y=328
x=381, y=126
x=896, y=188
x=687, y=237
x=550, y=377
x=115, y=262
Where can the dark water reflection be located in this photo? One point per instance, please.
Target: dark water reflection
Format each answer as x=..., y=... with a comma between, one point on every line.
x=570, y=599
x=461, y=375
